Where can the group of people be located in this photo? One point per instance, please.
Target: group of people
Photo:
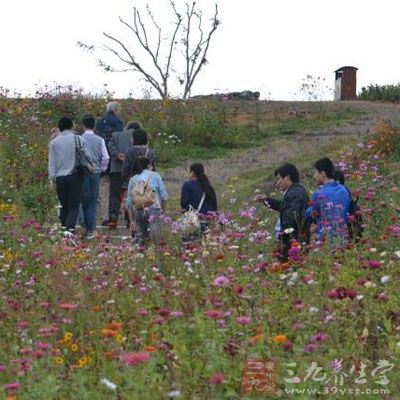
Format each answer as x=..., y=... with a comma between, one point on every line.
x=327, y=213
x=121, y=160
x=124, y=165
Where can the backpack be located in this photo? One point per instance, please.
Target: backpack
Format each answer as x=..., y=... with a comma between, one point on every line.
x=142, y=195
x=355, y=222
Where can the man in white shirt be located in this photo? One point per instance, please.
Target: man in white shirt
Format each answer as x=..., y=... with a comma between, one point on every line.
x=62, y=169
x=100, y=158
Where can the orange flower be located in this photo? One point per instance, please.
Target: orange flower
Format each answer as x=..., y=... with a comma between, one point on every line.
x=257, y=339
x=150, y=349
x=109, y=332
x=109, y=354
x=278, y=267
x=280, y=338
x=115, y=326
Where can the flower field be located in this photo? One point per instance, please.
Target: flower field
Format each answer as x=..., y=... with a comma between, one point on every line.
x=96, y=320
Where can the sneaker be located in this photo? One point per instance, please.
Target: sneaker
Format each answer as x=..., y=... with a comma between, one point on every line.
x=91, y=235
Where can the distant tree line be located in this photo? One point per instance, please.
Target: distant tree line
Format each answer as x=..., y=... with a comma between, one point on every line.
x=380, y=93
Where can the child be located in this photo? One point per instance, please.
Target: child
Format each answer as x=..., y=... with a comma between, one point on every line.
x=147, y=219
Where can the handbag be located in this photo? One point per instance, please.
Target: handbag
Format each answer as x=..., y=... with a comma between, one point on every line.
x=83, y=164
x=190, y=221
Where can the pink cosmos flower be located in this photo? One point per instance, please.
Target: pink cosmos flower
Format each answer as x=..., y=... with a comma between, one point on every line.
x=375, y=264
x=221, y=281
x=129, y=359
x=176, y=314
x=213, y=314
x=310, y=348
x=11, y=388
x=217, y=378
x=243, y=320
x=319, y=337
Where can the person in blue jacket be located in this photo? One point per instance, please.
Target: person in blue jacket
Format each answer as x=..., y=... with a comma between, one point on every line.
x=330, y=205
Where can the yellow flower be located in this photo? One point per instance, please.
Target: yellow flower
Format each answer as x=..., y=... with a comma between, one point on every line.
x=119, y=339
x=74, y=347
x=83, y=361
x=59, y=360
x=68, y=336
x=280, y=338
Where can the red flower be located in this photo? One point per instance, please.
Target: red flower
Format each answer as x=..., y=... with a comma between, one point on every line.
x=217, y=378
x=129, y=359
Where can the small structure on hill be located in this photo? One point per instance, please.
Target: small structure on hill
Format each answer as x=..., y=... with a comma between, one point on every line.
x=346, y=83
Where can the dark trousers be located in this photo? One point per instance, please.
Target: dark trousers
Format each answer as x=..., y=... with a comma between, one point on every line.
x=69, y=192
x=115, y=195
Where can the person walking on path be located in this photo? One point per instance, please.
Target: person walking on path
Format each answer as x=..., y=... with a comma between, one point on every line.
x=147, y=218
x=61, y=168
x=111, y=122
x=119, y=144
x=90, y=191
x=198, y=193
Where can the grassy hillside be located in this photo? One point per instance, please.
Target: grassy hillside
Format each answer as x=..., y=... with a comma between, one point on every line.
x=75, y=313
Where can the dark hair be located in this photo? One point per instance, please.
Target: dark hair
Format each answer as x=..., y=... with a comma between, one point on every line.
x=89, y=121
x=288, y=170
x=338, y=176
x=139, y=137
x=198, y=170
x=140, y=164
x=325, y=165
x=134, y=125
x=65, y=123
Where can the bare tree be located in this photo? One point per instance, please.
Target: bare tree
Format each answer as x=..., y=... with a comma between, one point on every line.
x=187, y=39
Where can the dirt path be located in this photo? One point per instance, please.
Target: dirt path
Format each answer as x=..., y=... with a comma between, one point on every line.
x=278, y=150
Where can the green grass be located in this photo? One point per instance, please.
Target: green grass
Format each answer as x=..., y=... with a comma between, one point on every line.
x=244, y=137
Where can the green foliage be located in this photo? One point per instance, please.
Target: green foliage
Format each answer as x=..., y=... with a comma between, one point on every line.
x=380, y=93
x=38, y=201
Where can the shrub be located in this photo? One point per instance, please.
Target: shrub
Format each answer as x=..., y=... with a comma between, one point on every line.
x=380, y=93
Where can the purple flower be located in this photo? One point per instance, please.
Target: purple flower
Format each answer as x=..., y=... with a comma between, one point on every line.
x=221, y=281
x=243, y=320
x=310, y=348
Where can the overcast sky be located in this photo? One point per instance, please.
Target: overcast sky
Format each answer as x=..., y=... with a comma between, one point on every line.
x=265, y=45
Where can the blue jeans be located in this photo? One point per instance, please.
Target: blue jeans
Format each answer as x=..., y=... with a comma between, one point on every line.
x=90, y=193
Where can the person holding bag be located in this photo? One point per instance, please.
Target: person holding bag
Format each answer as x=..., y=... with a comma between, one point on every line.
x=66, y=152
x=198, y=194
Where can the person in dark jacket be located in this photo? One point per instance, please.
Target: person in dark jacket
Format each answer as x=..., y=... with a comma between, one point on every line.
x=119, y=144
x=195, y=188
x=138, y=149
x=291, y=224
x=111, y=122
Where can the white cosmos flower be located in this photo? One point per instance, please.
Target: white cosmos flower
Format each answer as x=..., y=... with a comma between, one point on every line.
x=108, y=384
x=385, y=279
x=288, y=230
